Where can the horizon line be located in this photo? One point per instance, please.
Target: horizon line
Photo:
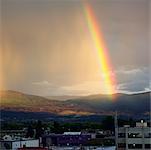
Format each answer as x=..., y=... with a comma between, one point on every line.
x=82, y=95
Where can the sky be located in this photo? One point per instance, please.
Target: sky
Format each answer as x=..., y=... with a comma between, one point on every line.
x=47, y=49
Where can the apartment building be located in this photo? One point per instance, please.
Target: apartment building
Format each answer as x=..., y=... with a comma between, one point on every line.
x=132, y=138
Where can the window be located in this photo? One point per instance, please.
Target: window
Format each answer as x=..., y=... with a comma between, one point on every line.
x=121, y=145
x=134, y=135
x=121, y=135
x=148, y=146
x=135, y=146
x=147, y=135
x=7, y=146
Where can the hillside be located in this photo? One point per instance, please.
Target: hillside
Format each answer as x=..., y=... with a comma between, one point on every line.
x=62, y=98
x=124, y=103
x=17, y=101
x=88, y=105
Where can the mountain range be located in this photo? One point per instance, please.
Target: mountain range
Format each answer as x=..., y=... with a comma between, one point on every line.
x=125, y=104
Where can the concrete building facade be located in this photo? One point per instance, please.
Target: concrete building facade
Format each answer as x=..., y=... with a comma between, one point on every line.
x=132, y=138
x=15, y=144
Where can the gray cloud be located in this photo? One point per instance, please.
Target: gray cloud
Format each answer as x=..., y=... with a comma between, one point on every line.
x=134, y=80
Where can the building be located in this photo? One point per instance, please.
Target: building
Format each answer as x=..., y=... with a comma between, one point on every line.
x=132, y=138
x=13, y=133
x=66, y=139
x=14, y=143
x=33, y=148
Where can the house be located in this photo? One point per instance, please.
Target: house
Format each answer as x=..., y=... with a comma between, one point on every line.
x=13, y=133
x=14, y=143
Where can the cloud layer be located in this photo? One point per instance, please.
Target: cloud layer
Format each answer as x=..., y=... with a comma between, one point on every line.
x=48, y=50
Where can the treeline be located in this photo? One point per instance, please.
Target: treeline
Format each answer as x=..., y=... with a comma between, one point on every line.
x=59, y=127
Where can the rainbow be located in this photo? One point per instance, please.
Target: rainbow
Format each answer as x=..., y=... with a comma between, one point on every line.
x=107, y=74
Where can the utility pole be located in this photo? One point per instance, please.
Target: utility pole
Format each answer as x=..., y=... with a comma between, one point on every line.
x=116, y=130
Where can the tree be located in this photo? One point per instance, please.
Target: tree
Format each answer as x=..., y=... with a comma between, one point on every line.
x=57, y=127
x=39, y=129
x=30, y=132
x=108, y=123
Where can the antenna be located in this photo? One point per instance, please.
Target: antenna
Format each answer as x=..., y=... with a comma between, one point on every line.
x=116, y=130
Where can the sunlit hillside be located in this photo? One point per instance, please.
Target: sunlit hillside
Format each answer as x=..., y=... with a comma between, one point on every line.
x=93, y=104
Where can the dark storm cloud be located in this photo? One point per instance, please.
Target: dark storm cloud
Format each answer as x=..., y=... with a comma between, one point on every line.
x=134, y=80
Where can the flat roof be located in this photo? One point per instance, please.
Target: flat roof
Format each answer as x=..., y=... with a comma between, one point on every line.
x=72, y=133
x=18, y=140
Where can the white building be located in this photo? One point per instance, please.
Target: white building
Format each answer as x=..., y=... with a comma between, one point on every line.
x=14, y=144
x=132, y=138
x=13, y=133
x=72, y=133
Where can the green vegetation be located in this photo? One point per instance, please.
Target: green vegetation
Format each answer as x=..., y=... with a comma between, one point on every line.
x=60, y=127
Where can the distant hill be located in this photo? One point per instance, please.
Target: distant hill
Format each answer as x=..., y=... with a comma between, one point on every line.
x=17, y=101
x=123, y=103
x=135, y=104
x=62, y=98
